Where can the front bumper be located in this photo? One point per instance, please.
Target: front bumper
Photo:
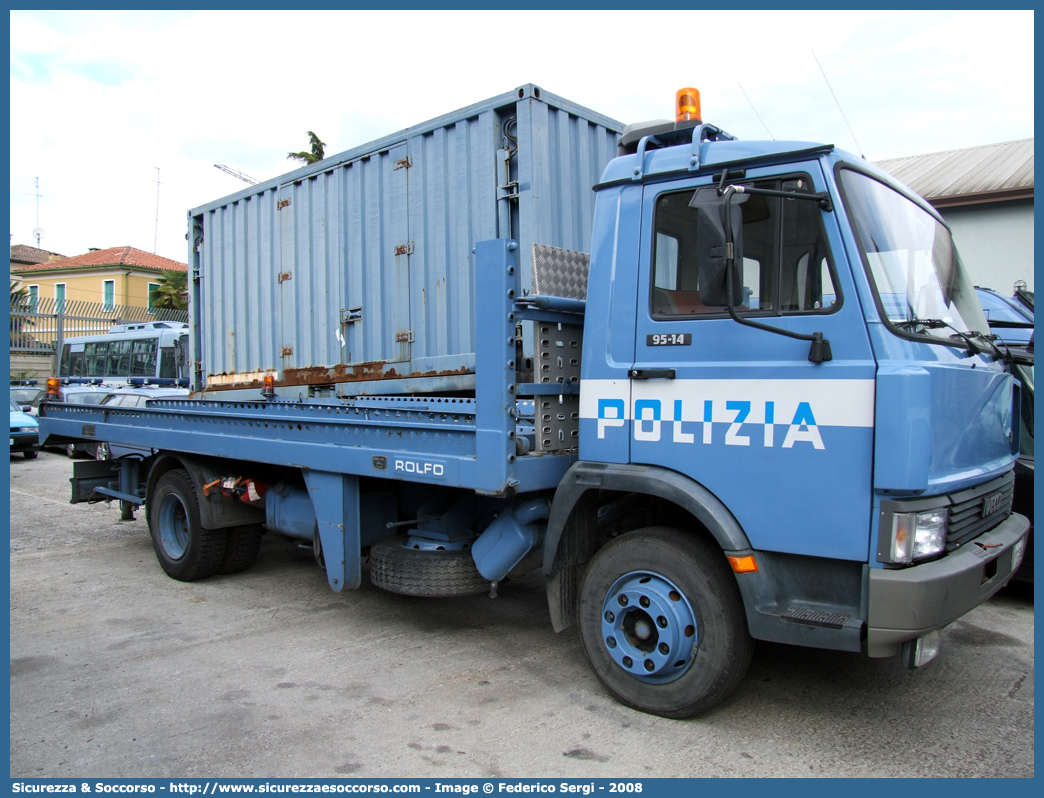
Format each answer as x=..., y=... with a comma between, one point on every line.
x=25, y=441
x=908, y=603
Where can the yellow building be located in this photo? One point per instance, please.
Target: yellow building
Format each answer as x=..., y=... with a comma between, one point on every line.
x=110, y=277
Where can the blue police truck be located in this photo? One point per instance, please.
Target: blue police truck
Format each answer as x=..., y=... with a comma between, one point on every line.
x=765, y=406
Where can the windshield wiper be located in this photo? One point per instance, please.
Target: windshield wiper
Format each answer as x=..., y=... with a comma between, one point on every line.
x=990, y=341
x=930, y=324
x=966, y=337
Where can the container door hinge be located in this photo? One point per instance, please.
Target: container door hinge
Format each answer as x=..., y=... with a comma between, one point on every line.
x=284, y=276
x=510, y=190
x=405, y=163
x=283, y=203
x=404, y=249
x=404, y=337
x=351, y=315
x=287, y=350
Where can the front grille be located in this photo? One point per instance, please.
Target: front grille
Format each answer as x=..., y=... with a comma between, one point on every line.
x=966, y=521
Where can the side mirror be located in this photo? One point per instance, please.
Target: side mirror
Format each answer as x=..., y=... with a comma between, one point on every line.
x=710, y=252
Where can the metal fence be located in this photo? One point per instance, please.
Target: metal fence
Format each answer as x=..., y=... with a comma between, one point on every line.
x=39, y=325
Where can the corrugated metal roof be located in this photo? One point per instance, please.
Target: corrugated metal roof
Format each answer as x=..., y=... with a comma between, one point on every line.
x=999, y=169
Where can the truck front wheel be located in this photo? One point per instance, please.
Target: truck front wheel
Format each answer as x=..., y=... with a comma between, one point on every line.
x=662, y=622
x=185, y=550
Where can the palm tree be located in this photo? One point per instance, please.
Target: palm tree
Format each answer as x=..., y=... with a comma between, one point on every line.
x=171, y=291
x=19, y=311
x=18, y=293
x=309, y=157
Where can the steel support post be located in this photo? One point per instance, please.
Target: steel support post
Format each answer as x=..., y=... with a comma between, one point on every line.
x=128, y=485
x=335, y=499
x=496, y=288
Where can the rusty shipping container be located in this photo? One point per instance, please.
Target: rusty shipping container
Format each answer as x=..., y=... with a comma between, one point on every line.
x=354, y=275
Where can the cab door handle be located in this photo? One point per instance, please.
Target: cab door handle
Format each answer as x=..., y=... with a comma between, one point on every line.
x=652, y=374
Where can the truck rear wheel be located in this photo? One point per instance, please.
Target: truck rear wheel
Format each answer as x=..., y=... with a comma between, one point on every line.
x=662, y=622
x=242, y=544
x=414, y=572
x=185, y=550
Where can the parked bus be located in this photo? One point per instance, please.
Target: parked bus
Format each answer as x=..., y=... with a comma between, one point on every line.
x=147, y=349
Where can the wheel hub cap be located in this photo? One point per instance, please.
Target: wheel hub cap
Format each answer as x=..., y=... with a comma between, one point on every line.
x=648, y=627
x=173, y=527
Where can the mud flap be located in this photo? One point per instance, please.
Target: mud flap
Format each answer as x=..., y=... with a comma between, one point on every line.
x=91, y=474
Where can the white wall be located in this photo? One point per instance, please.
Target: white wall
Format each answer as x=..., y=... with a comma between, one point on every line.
x=26, y=366
x=995, y=241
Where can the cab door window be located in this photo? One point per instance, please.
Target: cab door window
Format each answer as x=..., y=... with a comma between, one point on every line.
x=787, y=266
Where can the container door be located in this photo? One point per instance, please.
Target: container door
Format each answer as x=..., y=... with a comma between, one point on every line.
x=375, y=319
x=294, y=219
x=785, y=443
x=452, y=178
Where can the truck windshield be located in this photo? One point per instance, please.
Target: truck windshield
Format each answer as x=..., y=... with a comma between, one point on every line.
x=919, y=280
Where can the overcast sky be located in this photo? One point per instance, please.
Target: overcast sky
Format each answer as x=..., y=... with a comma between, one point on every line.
x=100, y=99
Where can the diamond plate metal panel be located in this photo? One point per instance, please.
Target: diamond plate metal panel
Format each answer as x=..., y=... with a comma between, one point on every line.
x=560, y=272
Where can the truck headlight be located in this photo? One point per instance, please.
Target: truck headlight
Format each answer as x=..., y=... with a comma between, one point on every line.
x=27, y=429
x=915, y=536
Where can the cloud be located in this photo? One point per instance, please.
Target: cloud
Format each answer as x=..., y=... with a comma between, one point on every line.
x=99, y=99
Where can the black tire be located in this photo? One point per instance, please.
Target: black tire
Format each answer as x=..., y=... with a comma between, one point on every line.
x=424, y=573
x=185, y=550
x=714, y=656
x=242, y=543
x=30, y=455
x=71, y=451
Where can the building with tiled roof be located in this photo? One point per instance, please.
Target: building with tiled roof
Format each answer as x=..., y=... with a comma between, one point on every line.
x=25, y=255
x=985, y=194
x=110, y=277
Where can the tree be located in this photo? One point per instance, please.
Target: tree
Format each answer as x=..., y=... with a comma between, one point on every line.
x=171, y=291
x=19, y=311
x=309, y=157
x=18, y=294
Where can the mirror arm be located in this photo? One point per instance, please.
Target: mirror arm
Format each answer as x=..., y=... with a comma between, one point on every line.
x=819, y=351
x=822, y=198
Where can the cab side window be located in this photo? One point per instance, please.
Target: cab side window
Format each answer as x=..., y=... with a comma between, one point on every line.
x=675, y=282
x=787, y=266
